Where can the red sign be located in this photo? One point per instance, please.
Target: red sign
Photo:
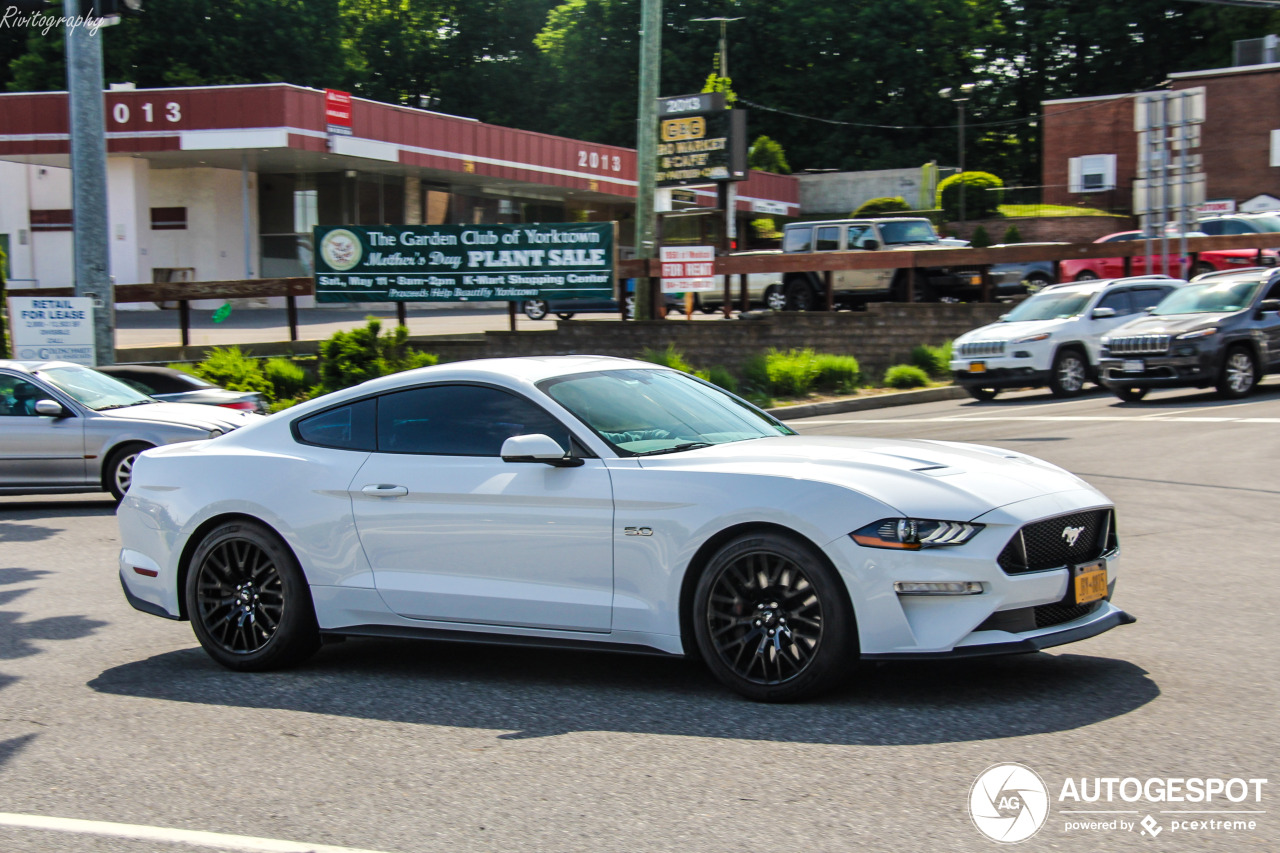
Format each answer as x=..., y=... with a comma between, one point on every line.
x=688, y=268
x=337, y=111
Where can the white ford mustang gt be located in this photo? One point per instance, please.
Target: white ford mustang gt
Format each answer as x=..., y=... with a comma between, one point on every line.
x=608, y=503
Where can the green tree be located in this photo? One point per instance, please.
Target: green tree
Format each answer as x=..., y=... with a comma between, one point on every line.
x=767, y=155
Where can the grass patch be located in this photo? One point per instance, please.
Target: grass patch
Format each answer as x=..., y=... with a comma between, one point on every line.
x=1050, y=210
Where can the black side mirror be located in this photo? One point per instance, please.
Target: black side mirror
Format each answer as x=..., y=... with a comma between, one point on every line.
x=1268, y=305
x=870, y=245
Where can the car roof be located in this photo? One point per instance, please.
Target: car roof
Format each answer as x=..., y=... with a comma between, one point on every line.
x=525, y=368
x=1097, y=284
x=853, y=219
x=35, y=366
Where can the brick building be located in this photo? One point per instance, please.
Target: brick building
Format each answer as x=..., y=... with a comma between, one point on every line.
x=1091, y=147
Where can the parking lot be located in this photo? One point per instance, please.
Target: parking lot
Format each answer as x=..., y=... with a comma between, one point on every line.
x=110, y=716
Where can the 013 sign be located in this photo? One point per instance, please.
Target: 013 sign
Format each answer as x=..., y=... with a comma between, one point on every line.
x=687, y=269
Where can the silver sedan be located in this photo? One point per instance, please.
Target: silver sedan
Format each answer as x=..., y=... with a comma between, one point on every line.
x=66, y=428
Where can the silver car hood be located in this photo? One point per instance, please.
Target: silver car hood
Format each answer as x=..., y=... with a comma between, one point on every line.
x=188, y=414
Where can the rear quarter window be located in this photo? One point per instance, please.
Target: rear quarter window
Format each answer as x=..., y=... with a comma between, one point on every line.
x=797, y=240
x=349, y=427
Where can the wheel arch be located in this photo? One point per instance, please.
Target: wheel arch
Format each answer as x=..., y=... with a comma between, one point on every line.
x=1078, y=346
x=108, y=452
x=197, y=536
x=707, y=550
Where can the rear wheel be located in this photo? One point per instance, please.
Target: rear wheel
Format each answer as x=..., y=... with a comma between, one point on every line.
x=1129, y=393
x=774, y=298
x=1239, y=374
x=117, y=474
x=248, y=600
x=536, y=309
x=1069, y=374
x=1087, y=275
x=772, y=619
x=800, y=296
x=565, y=315
x=981, y=392
x=1036, y=281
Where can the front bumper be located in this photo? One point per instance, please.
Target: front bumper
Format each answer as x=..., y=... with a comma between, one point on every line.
x=1001, y=377
x=1199, y=370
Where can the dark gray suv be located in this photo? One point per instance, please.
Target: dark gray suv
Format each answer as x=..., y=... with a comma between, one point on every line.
x=1221, y=330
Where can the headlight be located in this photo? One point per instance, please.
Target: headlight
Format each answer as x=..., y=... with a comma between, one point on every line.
x=1200, y=333
x=1043, y=336
x=912, y=534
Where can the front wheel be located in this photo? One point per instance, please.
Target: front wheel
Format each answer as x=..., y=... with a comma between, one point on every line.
x=800, y=296
x=1070, y=372
x=981, y=392
x=536, y=309
x=772, y=619
x=565, y=315
x=1087, y=275
x=248, y=600
x=117, y=474
x=1129, y=393
x=774, y=298
x=1239, y=374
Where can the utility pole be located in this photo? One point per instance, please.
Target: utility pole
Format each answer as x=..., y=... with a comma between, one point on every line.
x=89, y=180
x=647, y=148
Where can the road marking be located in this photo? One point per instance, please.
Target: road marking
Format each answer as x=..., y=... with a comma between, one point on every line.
x=1037, y=418
x=216, y=840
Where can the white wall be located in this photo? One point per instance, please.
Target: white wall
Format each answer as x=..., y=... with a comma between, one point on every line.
x=45, y=257
x=128, y=218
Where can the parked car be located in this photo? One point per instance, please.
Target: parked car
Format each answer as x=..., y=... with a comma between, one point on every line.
x=1222, y=330
x=1240, y=223
x=566, y=309
x=610, y=503
x=1013, y=278
x=764, y=290
x=1086, y=269
x=806, y=291
x=174, y=386
x=1052, y=338
x=66, y=428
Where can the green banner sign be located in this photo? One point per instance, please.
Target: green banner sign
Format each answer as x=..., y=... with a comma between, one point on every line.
x=464, y=263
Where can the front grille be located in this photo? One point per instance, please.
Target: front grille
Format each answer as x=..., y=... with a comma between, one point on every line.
x=1046, y=544
x=1048, y=615
x=978, y=349
x=1139, y=345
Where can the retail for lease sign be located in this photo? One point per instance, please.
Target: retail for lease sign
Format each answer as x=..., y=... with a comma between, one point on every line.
x=688, y=268
x=53, y=329
x=464, y=263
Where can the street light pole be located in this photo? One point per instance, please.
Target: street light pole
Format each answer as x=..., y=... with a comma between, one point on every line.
x=647, y=149
x=960, y=96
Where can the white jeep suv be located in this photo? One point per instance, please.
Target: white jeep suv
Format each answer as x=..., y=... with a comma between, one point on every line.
x=1052, y=338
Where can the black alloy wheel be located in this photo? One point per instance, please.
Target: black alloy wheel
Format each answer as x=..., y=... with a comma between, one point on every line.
x=983, y=393
x=1239, y=373
x=565, y=315
x=248, y=601
x=800, y=296
x=1129, y=393
x=772, y=619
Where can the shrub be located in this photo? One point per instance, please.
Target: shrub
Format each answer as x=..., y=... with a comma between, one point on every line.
x=884, y=204
x=349, y=358
x=755, y=375
x=905, y=376
x=932, y=360
x=981, y=239
x=838, y=373
x=667, y=357
x=1011, y=235
x=720, y=377
x=979, y=202
x=793, y=373
x=287, y=378
x=233, y=369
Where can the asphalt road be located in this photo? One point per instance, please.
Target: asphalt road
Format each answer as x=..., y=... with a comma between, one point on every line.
x=109, y=715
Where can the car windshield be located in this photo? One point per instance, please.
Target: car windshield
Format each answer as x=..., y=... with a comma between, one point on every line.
x=908, y=231
x=1221, y=297
x=643, y=412
x=1050, y=305
x=1267, y=223
x=93, y=389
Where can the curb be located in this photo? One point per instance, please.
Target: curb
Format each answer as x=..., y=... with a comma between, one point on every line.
x=861, y=404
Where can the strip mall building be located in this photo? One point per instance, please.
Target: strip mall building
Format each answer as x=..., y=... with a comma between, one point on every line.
x=226, y=182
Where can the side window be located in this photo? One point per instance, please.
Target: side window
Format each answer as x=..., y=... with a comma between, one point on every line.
x=18, y=397
x=1120, y=238
x=1213, y=228
x=854, y=235
x=459, y=420
x=348, y=427
x=1147, y=297
x=1119, y=300
x=1273, y=292
x=1235, y=226
x=797, y=240
x=827, y=239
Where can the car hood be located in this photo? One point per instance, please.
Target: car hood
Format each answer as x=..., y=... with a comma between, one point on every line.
x=1010, y=331
x=1168, y=324
x=188, y=414
x=924, y=479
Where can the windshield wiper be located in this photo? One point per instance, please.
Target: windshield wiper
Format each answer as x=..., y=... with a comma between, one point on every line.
x=124, y=405
x=688, y=445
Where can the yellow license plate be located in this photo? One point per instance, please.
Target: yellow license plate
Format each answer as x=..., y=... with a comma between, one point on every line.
x=977, y=367
x=1091, y=584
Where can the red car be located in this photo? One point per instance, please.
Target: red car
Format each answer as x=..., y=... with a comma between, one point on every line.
x=1218, y=259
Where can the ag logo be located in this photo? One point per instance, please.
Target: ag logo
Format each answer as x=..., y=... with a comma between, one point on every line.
x=1008, y=803
x=341, y=250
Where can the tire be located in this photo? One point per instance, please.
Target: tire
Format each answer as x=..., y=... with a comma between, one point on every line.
x=248, y=600
x=774, y=298
x=1036, y=281
x=1129, y=393
x=629, y=307
x=981, y=392
x=117, y=474
x=800, y=296
x=707, y=307
x=1239, y=374
x=1087, y=275
x=741, y=607
x=1069, y=374
x=536, y=309
x=565, y=315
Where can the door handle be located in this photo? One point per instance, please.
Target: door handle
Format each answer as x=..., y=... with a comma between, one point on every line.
x=384, y=490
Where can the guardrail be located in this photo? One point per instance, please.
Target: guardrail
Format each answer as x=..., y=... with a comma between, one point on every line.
x=728, y=265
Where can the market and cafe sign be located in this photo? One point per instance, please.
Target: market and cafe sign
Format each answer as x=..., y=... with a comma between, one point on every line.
x=465, y=263
x=699, y=141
